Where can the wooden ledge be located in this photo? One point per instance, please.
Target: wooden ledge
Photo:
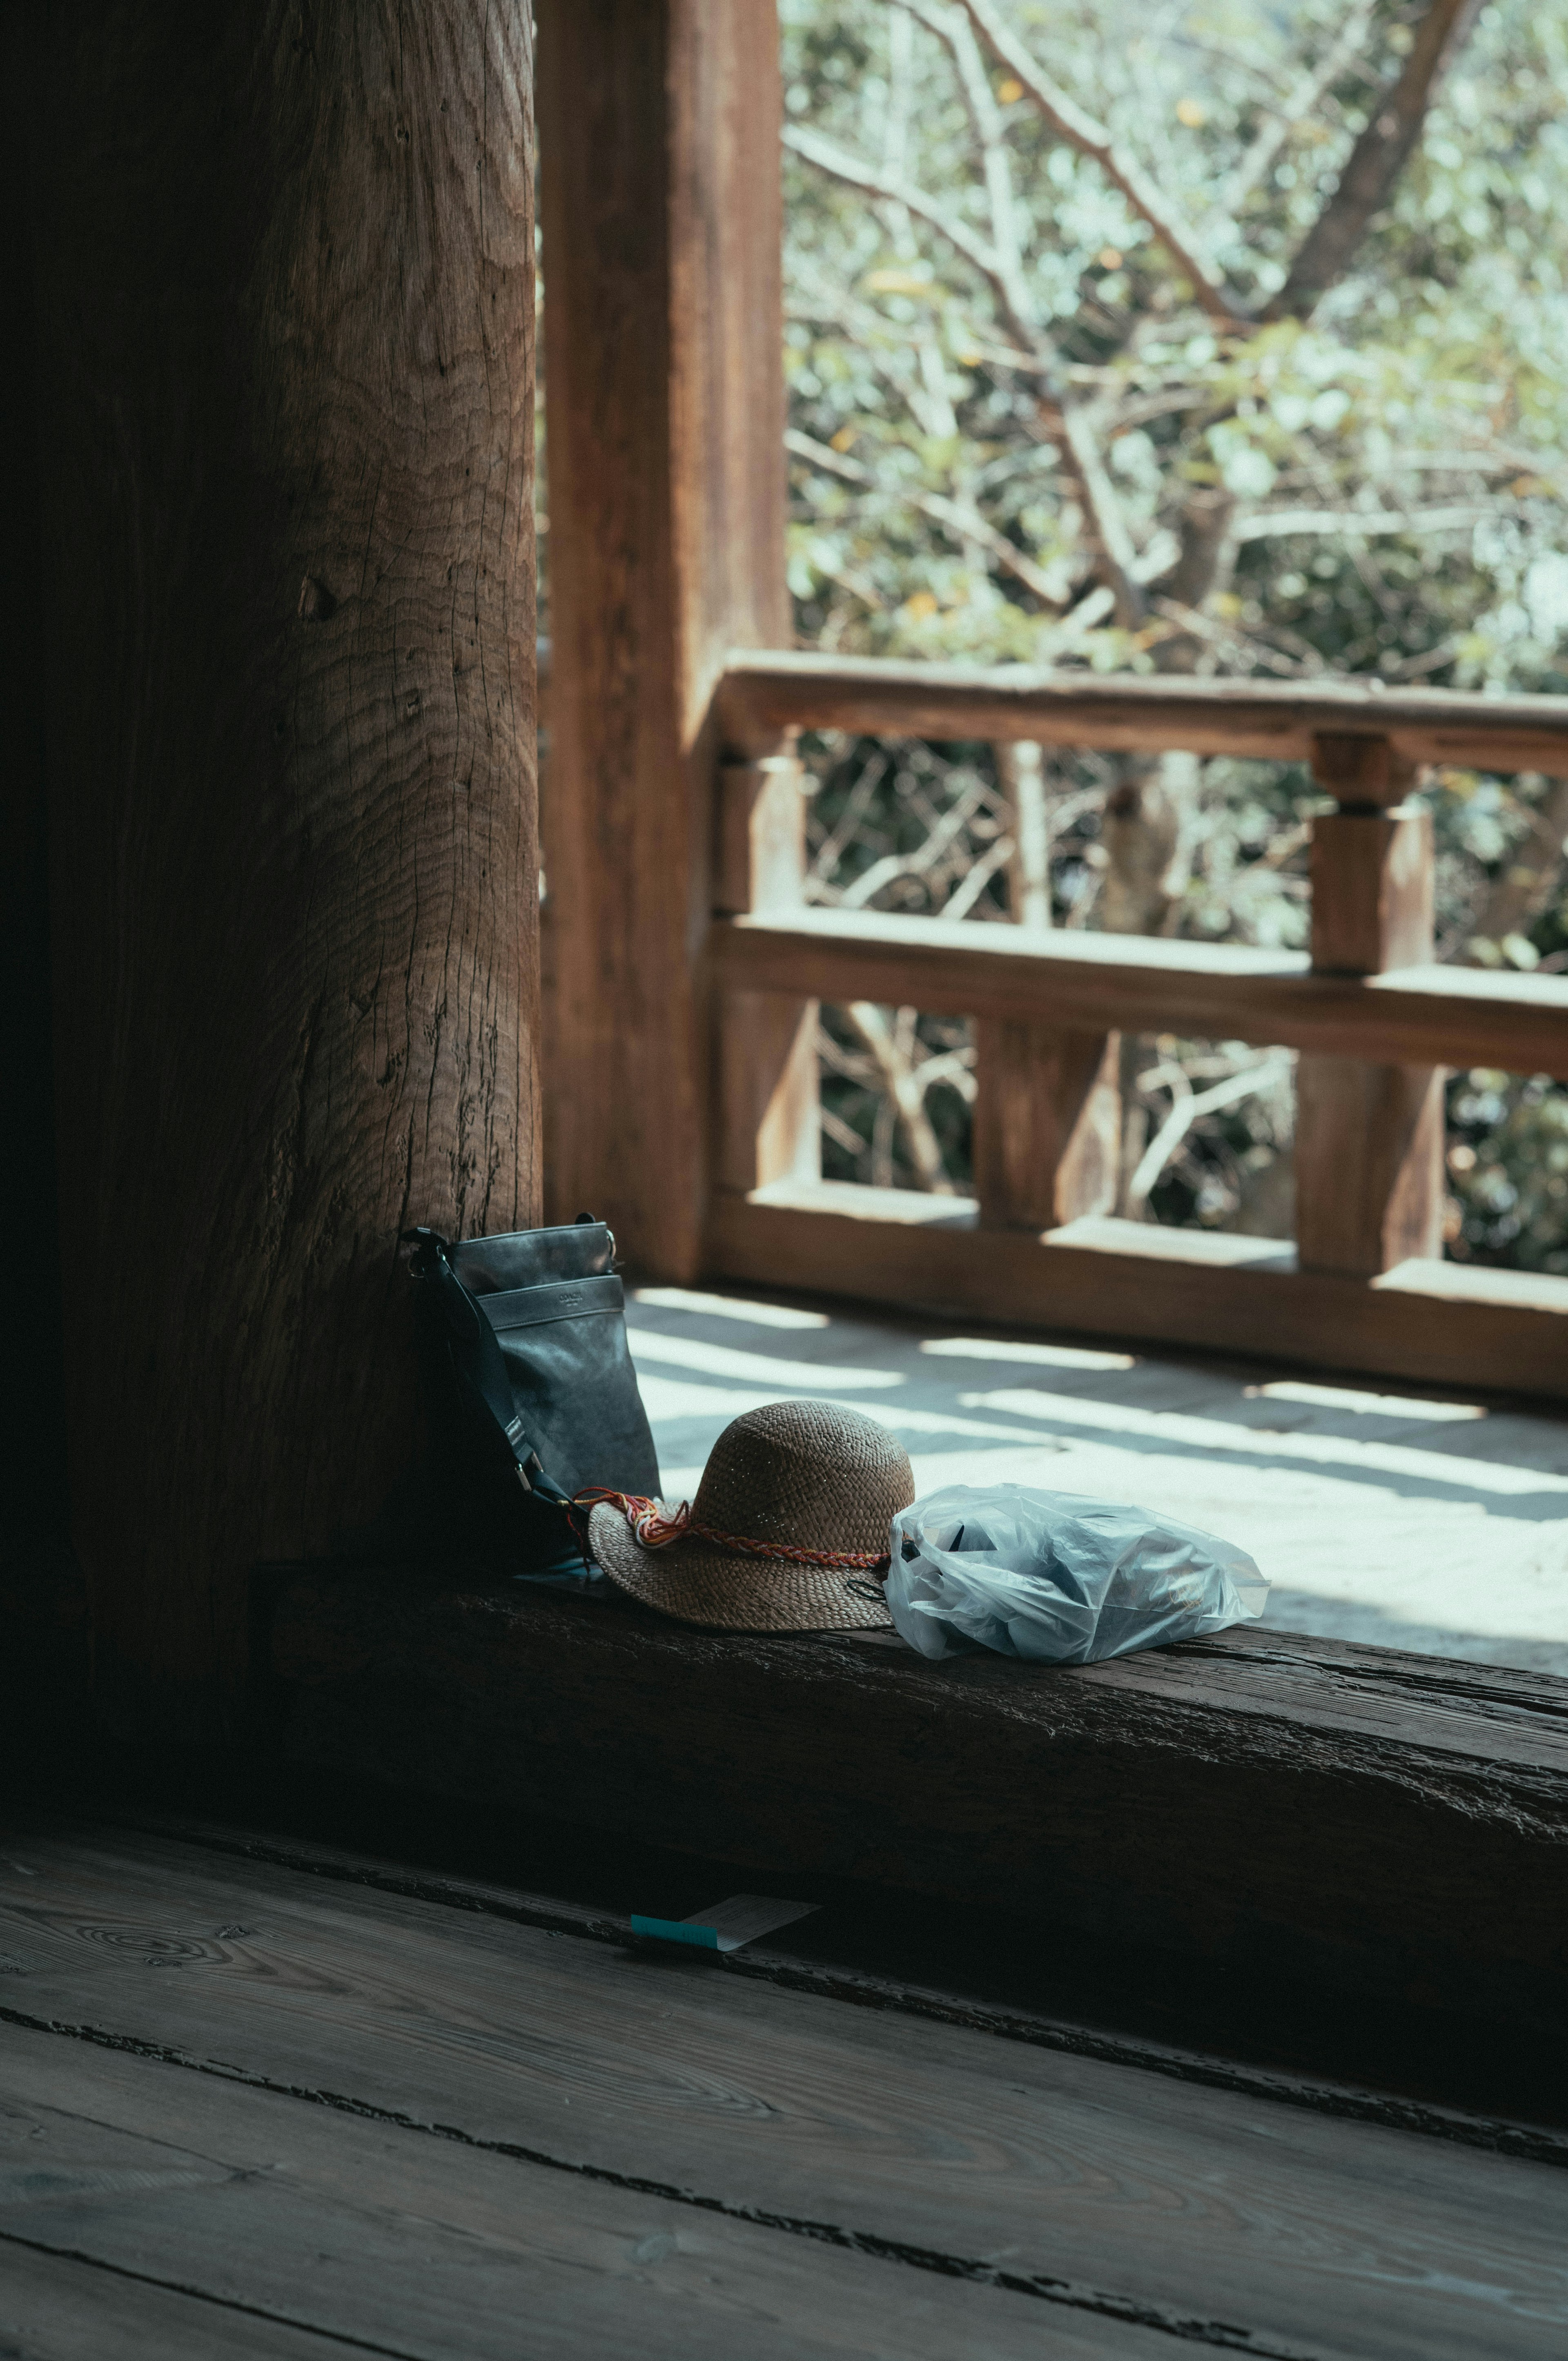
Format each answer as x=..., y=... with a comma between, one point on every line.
x=1390, y=1824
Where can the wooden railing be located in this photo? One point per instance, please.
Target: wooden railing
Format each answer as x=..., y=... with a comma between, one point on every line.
x=1374, y=1020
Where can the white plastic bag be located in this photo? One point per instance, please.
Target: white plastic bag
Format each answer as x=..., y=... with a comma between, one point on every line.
x=1056, y=1578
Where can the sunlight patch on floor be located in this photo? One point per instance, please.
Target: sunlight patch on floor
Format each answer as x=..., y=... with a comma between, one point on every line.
x=1418, y=1521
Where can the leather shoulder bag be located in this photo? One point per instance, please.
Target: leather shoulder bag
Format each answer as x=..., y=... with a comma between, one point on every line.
x=531, y=1391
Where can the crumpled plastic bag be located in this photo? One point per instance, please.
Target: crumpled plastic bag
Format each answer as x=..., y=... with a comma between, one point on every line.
x=1058, y=1578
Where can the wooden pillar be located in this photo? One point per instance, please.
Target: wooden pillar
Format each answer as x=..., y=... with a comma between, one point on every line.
x=661, y=230
x=285, y=278
x=1369, y=1138
x=1046, y=1123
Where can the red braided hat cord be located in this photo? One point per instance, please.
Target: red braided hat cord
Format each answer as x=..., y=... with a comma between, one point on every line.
x=655, y=1529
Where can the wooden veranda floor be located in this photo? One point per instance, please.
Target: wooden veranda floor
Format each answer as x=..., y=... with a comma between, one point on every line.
x=259, y=2099
x=1401, y=1517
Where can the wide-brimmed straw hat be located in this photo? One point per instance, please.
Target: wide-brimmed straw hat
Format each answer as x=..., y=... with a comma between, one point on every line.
x=789, y=1532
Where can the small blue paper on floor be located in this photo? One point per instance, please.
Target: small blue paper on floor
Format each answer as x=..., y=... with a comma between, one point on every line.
x=725, y=1925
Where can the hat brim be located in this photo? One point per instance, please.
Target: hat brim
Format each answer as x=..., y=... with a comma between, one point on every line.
x=729, y=1590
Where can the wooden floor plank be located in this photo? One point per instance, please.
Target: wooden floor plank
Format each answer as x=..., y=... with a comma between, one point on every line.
x=61, y=2308
x=1324, y=2237
x=430, y=2249
x=858, y=1953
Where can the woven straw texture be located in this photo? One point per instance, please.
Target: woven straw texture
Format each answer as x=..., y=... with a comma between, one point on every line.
x=809, y=1473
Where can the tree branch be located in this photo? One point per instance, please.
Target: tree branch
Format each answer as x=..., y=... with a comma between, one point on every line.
x=986, y=117
x=1232, y=643
x=1307, y=95
x=1069, y=122
x=1268, y=524
x=830, y=157
x=1060, y=417
x=1516, y=896
x=902, y=1084
x=1185, y=1109
x=1375, y=162
x=966, y=524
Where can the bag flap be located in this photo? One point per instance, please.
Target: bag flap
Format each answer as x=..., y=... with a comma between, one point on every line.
x=582, y=1249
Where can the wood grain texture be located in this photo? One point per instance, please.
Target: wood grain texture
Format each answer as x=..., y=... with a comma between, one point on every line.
x=1450, y=1324
x=1092, y=983
x=61, y=2307
x=285, y=364
x=769, y=1127
x=1369, y=1169
x=1361, y=773
x=1169, y=2203
x=760, y=861
x=1373, y=891
x=1278, y=1804
x=1273, y=720
x=662, y=225
x=827, y=1957
x=1370, y=1188
x=431, y=2248
x=1047, y=1123
x=768, y=1119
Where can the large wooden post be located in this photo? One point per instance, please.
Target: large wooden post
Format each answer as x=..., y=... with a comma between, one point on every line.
x=285, y=278
x=661, y=216
x=1369, y=1188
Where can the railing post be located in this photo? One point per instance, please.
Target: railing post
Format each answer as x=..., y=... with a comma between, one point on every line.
x=1369, y=1188
x=1046, y=1123
x=1048, y=1103
x=768, y=1128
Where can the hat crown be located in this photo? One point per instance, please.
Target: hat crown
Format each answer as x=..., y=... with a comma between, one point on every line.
x=812, y=1474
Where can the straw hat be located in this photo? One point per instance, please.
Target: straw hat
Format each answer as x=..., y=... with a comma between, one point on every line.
x=807, y=1475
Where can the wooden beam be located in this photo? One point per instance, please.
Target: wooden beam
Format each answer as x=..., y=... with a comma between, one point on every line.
x=662, y=242
x=1462, y=1016
x=285, y=363
x=1447, y=1323
x=1273, y=720
x=1370, y=1821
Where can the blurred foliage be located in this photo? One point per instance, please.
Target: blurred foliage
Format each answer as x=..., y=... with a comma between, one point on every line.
x=1431, y=384
x=1388, y=482
x=1507, y=1166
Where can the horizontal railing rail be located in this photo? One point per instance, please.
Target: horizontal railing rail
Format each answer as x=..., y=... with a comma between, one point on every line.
x=1374, y=1020
x=1429, y=1014
x=773, y=691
